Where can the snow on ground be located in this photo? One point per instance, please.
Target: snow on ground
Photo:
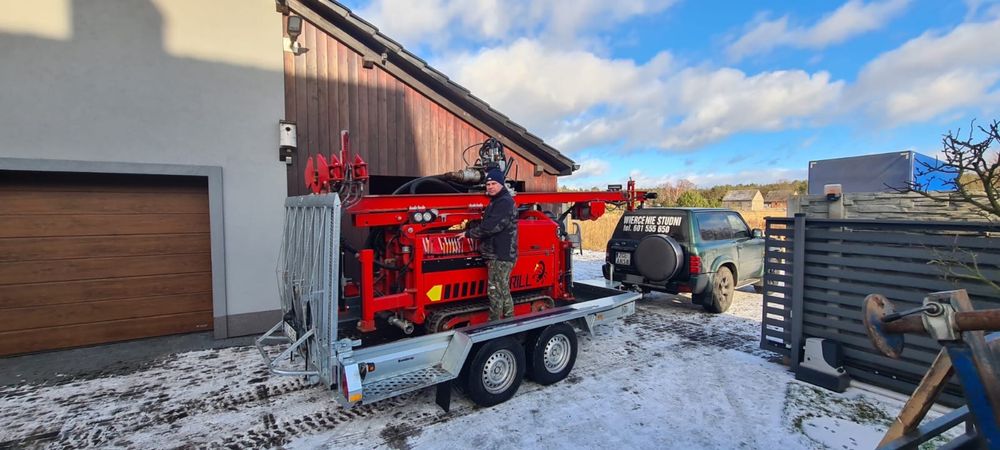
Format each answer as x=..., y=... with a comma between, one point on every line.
x=671, y=376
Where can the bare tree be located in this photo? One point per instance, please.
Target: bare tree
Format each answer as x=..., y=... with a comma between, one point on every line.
x=971, y=169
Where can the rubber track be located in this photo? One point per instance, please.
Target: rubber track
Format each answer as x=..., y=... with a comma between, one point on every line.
x=440, y=315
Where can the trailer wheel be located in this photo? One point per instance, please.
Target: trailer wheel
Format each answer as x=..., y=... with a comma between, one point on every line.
x=552, y=354
x=495, y=372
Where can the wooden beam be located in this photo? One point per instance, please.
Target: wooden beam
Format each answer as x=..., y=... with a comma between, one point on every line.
x=920, y=402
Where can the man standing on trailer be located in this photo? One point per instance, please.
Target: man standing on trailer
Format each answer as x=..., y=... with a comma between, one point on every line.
x=497, y=233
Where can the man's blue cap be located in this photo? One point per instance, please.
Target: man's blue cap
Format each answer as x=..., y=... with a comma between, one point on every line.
x=494, y=175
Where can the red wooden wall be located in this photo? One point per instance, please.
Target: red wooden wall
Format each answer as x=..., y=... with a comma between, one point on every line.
x=395, y=128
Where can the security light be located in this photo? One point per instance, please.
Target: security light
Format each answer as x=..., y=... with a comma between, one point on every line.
x=294, y=27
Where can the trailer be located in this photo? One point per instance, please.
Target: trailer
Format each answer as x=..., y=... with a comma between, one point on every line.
x=416, y=316
x=488, y=360
x=883, y=172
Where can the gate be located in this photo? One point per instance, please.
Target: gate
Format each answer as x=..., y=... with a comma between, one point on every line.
x=817, y=272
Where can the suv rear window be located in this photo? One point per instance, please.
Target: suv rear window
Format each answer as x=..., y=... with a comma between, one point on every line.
x=721, y=225
x=638, y=224
x=714, y=226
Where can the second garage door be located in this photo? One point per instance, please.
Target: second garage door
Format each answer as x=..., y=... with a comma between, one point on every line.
x=95, y=258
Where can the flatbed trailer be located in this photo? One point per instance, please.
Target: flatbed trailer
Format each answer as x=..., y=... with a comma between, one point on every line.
x=488, y=360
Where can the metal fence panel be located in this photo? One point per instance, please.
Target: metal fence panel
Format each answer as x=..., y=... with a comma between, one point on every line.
x=817, y=272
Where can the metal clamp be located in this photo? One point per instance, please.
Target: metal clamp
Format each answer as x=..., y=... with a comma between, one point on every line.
x=344, y=348
x=939, y=320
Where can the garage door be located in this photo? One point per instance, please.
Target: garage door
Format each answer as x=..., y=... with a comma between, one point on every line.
x=94, y=258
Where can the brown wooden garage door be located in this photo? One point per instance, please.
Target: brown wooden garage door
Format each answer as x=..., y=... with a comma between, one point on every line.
x=95, y=258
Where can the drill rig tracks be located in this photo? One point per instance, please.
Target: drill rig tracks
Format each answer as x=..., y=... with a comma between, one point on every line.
x=438, y=319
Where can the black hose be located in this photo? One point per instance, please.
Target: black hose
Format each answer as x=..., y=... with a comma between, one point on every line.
x=434, y=180
x=378, y=263
x=409, y=185
x=386, y=266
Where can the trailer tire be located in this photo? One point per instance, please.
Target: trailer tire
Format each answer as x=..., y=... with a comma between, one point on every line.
x=496, y=371
x=552, y=354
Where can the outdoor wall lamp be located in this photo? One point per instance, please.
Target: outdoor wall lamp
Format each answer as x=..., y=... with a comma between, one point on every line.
x=293, y=26
x=833, y=192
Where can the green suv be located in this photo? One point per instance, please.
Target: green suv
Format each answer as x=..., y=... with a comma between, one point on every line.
x=708, y=252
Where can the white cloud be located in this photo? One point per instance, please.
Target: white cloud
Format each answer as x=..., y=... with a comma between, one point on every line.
x=576, y=99
x=972, y=8
x=539, y=85
x=851, y=19
x=932, y=75
x=703, y=180
x=722, y=102
x=409, y=21
x=440, y=23
x=591, y=168
x=565, y=23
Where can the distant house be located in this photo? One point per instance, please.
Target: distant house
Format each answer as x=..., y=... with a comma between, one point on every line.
x=748, y=200
x=777, y=199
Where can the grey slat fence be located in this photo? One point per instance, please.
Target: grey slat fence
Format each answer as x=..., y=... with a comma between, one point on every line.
x=817, y=272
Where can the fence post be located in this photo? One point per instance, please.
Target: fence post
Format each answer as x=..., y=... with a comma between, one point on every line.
x=837, y=210
x=798, y=285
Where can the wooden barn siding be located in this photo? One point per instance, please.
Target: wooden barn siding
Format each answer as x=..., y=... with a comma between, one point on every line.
x=395, y=128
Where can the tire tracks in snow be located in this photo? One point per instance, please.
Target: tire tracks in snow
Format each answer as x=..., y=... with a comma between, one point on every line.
x=273, y=411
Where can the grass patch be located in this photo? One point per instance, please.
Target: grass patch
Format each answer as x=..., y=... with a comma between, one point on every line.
x=804, y=402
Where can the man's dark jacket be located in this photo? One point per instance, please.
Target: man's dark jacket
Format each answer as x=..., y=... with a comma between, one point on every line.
x=498, y=230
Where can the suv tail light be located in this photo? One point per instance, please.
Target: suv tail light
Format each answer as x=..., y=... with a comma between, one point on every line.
x=694, y=263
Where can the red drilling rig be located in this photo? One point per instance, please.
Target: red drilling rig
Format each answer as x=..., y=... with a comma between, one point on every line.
x=416, y=274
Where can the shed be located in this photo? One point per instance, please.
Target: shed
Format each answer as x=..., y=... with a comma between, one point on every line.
x=747, y=200
x=777, y=199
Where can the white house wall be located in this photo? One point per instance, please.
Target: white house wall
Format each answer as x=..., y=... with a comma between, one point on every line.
x=160, y=83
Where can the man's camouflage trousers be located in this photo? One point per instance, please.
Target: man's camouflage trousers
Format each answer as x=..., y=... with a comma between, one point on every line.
x=498, y=288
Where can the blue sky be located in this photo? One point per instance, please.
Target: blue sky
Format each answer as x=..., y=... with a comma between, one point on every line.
x=713, y=91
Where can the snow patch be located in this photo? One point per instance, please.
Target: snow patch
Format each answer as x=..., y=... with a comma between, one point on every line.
x=840, y=434
x=670, y=376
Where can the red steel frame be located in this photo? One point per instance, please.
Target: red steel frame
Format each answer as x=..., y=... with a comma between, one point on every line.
x=541, y=267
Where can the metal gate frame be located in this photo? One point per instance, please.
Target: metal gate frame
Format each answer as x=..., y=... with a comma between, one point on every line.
x=817, y=272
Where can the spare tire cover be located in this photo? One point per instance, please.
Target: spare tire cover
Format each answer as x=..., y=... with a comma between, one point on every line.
x=658, y=257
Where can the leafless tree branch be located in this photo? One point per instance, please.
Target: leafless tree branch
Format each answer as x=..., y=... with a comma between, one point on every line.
x=970, y=169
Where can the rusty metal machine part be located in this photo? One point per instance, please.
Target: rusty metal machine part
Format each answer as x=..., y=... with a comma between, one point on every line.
x=949, y=318
x=876, y=307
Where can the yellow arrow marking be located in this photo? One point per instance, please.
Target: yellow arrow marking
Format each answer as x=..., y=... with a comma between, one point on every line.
x=434, y=293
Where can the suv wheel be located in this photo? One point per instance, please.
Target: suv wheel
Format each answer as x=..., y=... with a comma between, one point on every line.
x=720, y=296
